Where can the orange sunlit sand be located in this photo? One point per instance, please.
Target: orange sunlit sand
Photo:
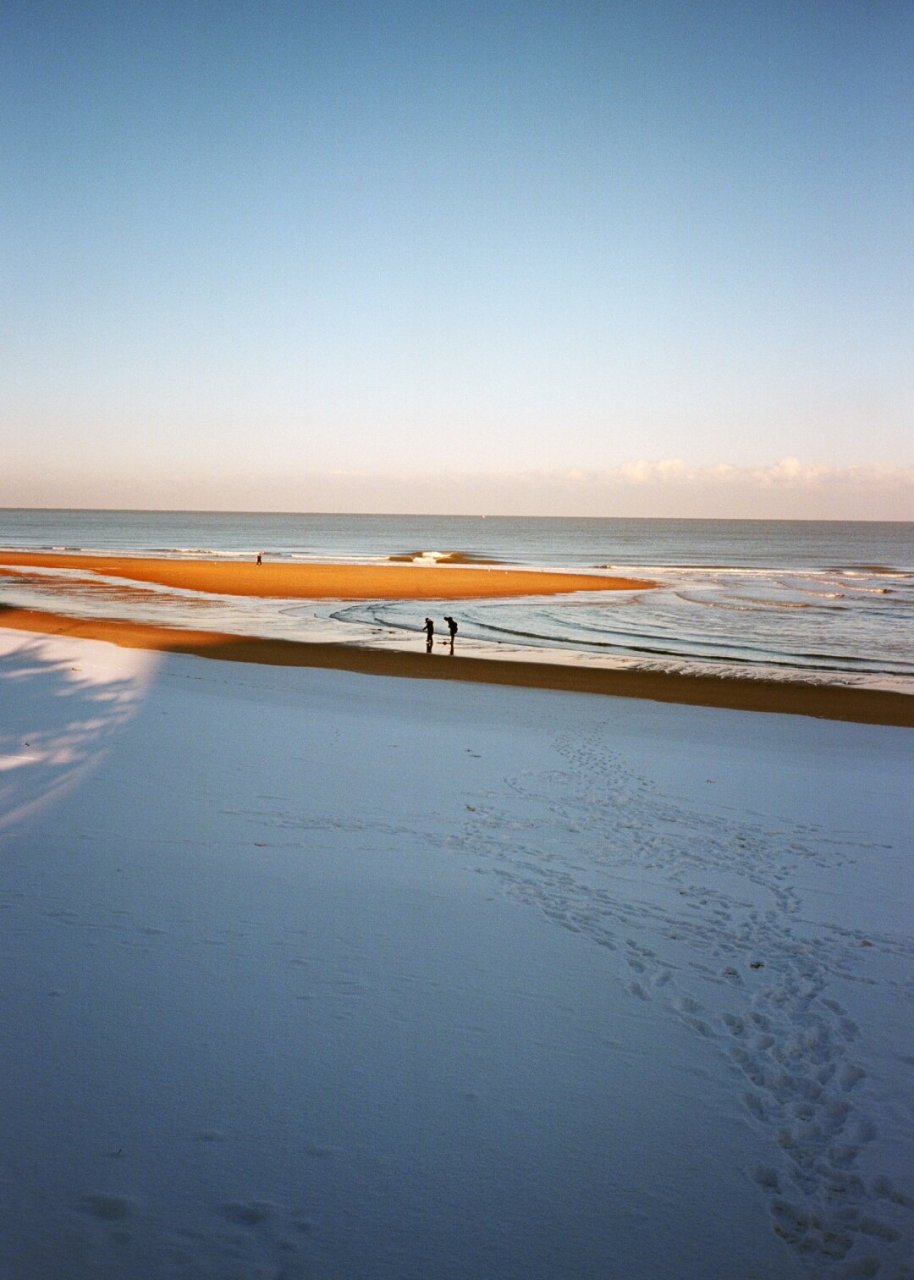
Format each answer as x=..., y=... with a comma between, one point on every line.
x=327, y=581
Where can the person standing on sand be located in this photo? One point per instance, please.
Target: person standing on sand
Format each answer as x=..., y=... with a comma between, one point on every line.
x=429, y=634
x=259, y=558
x=452, y=629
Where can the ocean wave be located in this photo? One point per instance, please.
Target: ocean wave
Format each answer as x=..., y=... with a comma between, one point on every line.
x=441, y=557
x=206, y=553
x=677, y=569
x=722, y=572
x=876, y=570
x=743, y=604
x=138, y=553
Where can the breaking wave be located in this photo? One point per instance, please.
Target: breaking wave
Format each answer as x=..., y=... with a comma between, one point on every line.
x=441, y=557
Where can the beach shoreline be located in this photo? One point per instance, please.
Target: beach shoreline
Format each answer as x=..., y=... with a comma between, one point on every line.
x=324, y=580
x=827, y=702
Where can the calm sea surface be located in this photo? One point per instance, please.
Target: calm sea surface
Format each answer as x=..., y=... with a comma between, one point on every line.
x=816, y=600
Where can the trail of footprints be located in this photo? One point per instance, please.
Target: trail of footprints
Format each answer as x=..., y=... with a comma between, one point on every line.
x=611, y=857
x=110, y=1236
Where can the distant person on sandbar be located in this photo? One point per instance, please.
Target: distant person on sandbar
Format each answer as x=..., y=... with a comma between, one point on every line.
x=452, y=629
x=259, y=558
x=429, y=635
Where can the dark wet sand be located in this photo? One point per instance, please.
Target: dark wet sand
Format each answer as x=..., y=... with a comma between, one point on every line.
x=864, y=706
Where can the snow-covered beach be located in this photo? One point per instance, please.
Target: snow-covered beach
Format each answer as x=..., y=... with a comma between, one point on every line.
x=457, y=641
x=311, y=973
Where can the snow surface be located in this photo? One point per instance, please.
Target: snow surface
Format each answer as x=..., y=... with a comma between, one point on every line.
x=310, y=974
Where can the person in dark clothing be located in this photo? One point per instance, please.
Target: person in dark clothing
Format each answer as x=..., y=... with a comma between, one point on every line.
x=429, y=634
x=452, y=629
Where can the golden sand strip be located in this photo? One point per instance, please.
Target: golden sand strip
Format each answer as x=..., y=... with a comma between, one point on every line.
x=327, y=581
x=864, y=706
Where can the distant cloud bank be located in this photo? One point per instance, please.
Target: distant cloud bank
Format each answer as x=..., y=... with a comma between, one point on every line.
x=785, y=489
x=787, y=472
x=788, y=489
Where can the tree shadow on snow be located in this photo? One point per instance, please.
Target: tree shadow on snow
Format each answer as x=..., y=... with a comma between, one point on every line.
x=59, y=716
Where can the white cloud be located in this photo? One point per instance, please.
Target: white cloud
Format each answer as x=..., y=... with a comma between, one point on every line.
x=786, y=488
x=786, y=472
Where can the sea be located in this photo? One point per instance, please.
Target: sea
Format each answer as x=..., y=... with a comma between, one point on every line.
x=821, y=601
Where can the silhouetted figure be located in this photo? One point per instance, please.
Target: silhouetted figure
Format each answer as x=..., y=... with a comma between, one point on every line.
x=452, y=629
x=429, y=634
x=259, y=558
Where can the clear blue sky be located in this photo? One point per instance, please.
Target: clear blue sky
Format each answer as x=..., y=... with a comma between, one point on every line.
x=607, y=258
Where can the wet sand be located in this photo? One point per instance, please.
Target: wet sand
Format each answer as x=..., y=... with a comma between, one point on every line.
x=326, y=581
x=864, y=706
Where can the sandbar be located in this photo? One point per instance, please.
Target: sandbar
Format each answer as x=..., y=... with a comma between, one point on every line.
x=828, y=702
x=321, y=581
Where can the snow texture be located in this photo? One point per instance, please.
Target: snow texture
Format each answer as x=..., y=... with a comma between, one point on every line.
x=309, y=974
